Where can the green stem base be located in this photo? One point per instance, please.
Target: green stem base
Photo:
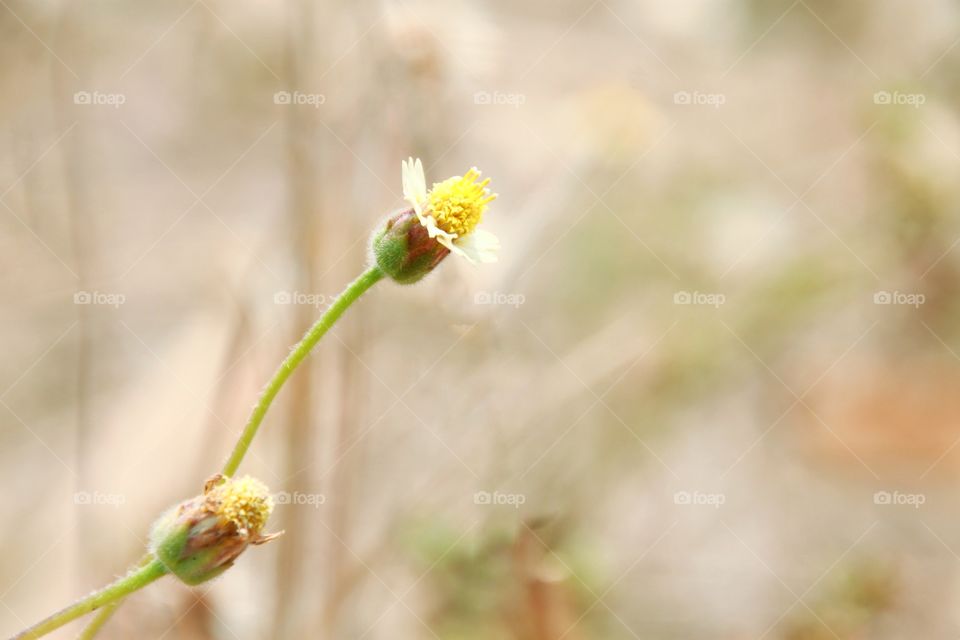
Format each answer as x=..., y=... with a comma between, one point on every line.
x=111, y=597
x=133, y=581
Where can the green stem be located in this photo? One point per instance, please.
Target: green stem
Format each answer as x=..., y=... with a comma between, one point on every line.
x=353, y=291
x=93, y=627
x=111, y=597
x=106, y=612
x=133, y=581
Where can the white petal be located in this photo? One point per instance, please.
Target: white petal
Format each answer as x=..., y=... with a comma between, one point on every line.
x=479, y=246
x=448, y=241
x=414, y=182
x=433, y=230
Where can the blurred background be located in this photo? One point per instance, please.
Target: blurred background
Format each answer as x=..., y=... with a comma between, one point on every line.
x=709, y=391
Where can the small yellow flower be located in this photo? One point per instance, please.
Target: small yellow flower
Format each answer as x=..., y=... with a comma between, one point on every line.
x=451, y=211
x=246, y=502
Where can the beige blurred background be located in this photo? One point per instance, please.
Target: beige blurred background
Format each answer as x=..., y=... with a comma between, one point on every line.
x=709, y=391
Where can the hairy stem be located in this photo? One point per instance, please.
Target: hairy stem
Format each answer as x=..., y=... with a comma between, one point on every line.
x=106, y=612
x=93, y=627
x=350, y=295
x=133, y=581
x=111, y=597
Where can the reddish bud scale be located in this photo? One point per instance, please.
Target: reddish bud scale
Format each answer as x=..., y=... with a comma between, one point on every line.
x=197, y=541
x=404, y=249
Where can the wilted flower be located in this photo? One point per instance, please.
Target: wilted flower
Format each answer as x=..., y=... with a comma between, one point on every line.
x=200, y=538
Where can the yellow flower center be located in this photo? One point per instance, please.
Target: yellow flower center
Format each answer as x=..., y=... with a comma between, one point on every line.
x=245, y=502
x=458, y=203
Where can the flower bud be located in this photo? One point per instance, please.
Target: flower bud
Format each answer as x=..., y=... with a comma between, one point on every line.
x=200, y=538
x=404, y=249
